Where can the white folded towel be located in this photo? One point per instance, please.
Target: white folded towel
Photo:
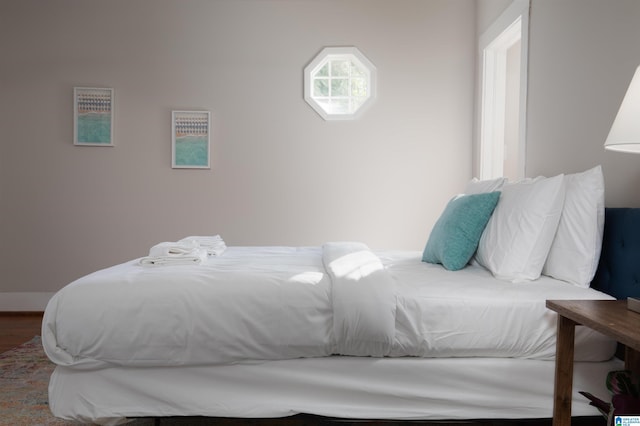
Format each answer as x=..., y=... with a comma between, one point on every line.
x=180, y=248
x=175, y=253
x=172, y=260
x=214, y=245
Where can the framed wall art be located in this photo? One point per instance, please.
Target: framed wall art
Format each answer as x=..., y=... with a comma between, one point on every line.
x=93, y=116
x=190, y=142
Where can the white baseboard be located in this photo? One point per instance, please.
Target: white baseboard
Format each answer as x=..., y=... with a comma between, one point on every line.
x=24, y=301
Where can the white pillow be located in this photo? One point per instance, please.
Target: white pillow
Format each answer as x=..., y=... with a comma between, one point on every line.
x=575, y=251
x=515, y=244
x=476, y=186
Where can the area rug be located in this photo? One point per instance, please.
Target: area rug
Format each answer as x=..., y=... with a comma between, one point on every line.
x=24, y=401
x=24, y=376
x=24, y=379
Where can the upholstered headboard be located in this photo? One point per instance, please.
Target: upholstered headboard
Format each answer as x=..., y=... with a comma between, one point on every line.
x=619, y=268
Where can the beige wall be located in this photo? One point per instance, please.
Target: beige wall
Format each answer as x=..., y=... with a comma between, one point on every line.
x=488, y=11
x=281, y=175
x=582, y=55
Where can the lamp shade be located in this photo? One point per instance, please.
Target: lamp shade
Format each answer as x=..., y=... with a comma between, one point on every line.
x=624, y=135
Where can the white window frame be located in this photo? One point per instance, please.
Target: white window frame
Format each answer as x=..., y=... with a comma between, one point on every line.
x=513, y=24
x=321, y=104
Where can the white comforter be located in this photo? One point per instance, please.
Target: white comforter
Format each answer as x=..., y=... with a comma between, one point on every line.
x=265, y=303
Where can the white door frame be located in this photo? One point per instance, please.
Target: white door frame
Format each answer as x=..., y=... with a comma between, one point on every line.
x=512, y=25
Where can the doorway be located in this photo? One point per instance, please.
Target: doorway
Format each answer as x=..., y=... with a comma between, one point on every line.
x=503, y=53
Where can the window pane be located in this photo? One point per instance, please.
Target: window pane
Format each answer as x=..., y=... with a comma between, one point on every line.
x=340, y=68
x=321, y=87
x=323, y=72
x=356, y=71
x=340, y=106
x=340, y=87
x=358, y=87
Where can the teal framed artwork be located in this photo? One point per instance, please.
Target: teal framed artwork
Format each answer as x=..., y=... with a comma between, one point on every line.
x=93, y=116
x=190, y=142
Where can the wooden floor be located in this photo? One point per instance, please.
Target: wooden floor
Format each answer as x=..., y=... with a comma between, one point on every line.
x=17, y=328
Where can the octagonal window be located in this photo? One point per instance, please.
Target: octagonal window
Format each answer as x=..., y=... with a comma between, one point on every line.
x=339, y=83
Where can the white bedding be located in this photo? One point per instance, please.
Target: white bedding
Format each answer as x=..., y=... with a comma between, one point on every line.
x=469, y=313
x=345, y=387
x=268, y=303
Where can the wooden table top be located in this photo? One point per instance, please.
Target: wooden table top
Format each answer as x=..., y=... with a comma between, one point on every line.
x=609, y=317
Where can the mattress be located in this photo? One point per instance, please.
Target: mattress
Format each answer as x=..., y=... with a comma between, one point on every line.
x=278, y=303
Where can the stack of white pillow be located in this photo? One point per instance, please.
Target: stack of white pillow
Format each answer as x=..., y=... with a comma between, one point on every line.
x=544, y=226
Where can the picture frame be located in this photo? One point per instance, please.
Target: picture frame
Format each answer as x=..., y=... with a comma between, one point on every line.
x=190, y=139
x=93, y=116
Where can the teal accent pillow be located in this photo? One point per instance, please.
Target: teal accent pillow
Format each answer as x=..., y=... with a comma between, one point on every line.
x=455, y=236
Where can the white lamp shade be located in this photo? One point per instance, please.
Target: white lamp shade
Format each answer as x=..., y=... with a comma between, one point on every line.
x=624, y=135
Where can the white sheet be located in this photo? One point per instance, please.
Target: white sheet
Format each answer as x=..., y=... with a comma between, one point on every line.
x=266, y=303
x=466, y=313
x=249, y=303
x=348, y=387
x=363, y=297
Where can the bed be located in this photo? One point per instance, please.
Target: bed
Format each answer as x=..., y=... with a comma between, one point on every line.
x=344, y=331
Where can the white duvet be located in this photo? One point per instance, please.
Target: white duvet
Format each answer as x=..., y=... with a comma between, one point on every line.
x=265, y=303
